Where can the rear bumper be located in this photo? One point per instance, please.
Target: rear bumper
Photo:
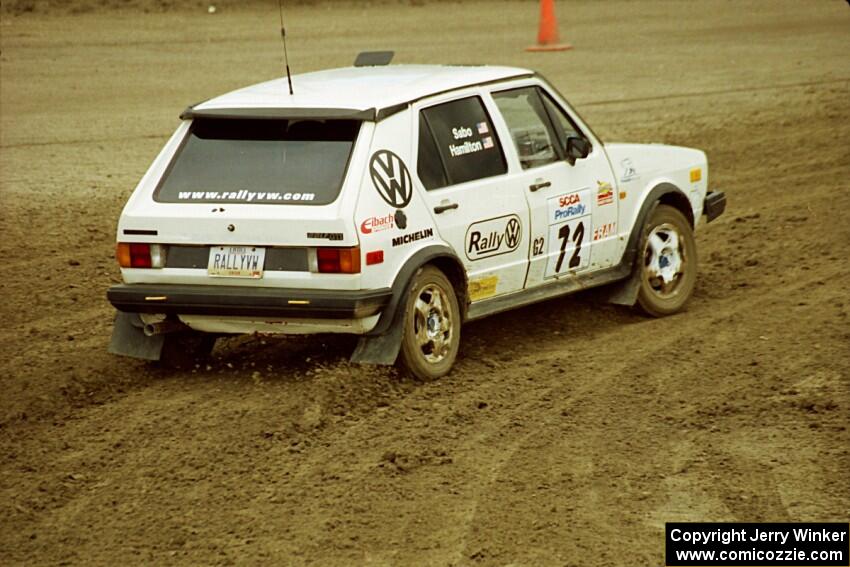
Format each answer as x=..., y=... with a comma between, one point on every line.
x=239, y=301
x=714, y=205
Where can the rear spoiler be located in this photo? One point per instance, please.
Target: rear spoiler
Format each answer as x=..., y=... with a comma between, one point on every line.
x=368, y=115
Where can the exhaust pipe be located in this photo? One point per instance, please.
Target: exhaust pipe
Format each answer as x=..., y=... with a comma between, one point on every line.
x=162, y=327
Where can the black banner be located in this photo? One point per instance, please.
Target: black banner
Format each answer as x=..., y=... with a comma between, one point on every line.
x=746, y=544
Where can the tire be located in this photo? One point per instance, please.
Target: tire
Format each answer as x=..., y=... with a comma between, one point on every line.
x=184, y=349
x=431, y=334
x=667, y=263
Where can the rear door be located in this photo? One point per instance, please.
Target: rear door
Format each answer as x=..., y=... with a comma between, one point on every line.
x=477, y=205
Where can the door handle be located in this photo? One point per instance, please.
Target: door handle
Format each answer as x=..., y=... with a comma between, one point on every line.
x=541, y=185
x=443, y=208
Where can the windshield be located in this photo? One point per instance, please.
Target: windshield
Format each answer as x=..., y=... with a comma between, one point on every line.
x=280, y=162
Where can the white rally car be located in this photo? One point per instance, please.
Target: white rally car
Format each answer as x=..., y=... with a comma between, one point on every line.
x=396, y=203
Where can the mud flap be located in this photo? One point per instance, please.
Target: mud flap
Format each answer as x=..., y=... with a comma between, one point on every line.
x=381, y=349
x=129, y=338
x=624, y=292
x=383, y=346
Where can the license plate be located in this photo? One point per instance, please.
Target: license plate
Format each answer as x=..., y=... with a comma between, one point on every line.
x=236, y=261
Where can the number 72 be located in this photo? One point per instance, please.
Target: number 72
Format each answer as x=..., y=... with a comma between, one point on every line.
x=564, y=235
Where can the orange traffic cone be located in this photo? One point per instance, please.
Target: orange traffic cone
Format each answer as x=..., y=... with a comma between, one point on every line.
x=547, y=37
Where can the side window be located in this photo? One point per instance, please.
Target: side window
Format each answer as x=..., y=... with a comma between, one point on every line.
x=465, y=143
x=429, y=164
x=566, y=128
x=530, y=126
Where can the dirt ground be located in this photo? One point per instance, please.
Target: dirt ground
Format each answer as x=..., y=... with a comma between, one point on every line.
x=568, y=434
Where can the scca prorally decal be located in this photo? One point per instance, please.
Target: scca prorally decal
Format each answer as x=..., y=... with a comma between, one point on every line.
x=413, y=237
x=569, y=206
x=569, y=218
x=391, y=178
x=493, y=237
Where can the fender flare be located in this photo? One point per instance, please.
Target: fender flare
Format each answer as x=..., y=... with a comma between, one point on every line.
x=626, y=291
x=382, y=344
x=405, y=274
x=662, y=193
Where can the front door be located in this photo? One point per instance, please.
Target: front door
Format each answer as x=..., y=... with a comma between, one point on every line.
x=573, y=205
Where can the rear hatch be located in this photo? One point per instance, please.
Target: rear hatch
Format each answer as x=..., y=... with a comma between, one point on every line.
x=260, y=170
x=285, y=185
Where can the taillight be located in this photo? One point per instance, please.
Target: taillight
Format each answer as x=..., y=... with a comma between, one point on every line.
x=338, y=260
x=139, y=255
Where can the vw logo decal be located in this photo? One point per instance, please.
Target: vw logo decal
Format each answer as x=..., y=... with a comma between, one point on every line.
x=391, y=178
x=512, y=232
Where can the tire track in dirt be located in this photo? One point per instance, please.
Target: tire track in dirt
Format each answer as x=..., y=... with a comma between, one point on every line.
x=599, y=419
x=85, y=141
x=711, y=92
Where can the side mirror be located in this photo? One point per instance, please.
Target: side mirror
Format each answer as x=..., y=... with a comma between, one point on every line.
x=577, y=148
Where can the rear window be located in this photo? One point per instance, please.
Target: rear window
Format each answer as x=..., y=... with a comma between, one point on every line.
x=284, y=162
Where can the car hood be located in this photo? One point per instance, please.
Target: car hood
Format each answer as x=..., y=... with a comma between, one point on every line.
x=649, y=161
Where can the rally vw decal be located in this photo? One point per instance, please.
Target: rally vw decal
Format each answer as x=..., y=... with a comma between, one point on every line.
x=493, y=237
x=391, y=178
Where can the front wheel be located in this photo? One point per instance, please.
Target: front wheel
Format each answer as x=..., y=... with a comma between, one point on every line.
x=668, y=264
x=431, y=337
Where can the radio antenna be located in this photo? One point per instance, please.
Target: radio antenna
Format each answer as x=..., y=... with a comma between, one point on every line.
x=285, y=56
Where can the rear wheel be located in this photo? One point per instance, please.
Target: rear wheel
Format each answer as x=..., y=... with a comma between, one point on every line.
x=668, y=263
x=184, y=349
x=431, y=335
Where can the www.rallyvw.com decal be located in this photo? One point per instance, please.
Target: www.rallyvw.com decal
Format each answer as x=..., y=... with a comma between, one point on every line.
x=391, y=178
x=243, y=196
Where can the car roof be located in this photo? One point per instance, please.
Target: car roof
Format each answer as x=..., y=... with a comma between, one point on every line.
x=366, y=93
